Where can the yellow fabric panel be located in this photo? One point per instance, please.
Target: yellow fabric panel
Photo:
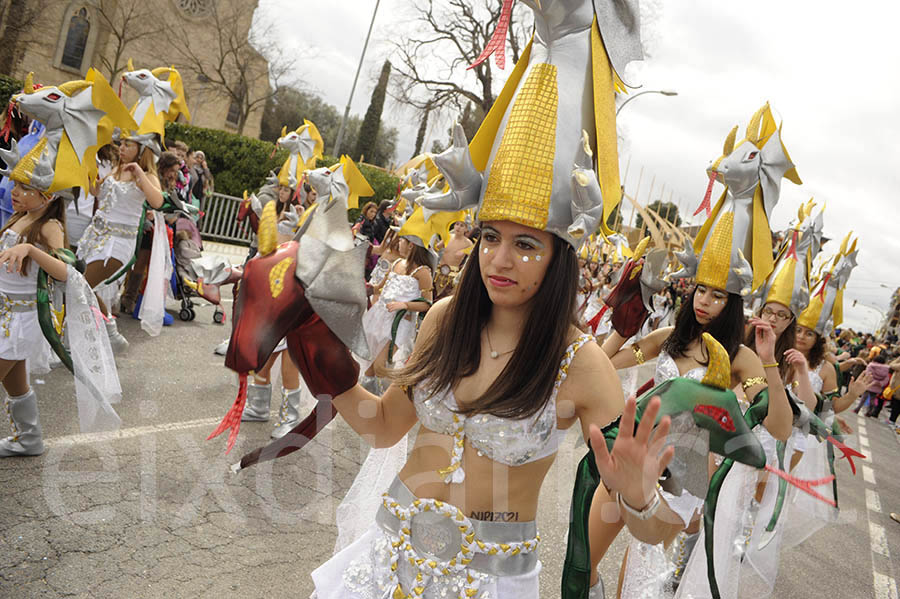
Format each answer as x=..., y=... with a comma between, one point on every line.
x=306, y=214
x=809, y=317
x=837, y=312
x=521, y=180
x=715, y=263
x=481, y=145
x=153, y=122
x=607, y=154
x=69, y=172
x=783, y=286
x=718, y=372
x=704, y=230
x=284, y=175
x=359, y=187
x=320, y=145
x=762, y=261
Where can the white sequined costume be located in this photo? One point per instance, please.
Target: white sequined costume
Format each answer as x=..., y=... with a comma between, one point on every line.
x=114, y=227
x=430, y=548
x=20, y=333
x=378, y=321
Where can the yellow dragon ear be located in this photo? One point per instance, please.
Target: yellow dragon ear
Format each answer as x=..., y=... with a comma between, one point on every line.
x=268, y=230
x=29, y=83
x=729, y=142
x=283, y=130
x=160, y=71
x=718, y=372
x=70, y=88
x=130, y=65
x=641, y=248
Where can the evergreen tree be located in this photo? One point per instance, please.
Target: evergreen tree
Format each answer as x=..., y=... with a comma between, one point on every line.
x=420, y=136
x=368, y=131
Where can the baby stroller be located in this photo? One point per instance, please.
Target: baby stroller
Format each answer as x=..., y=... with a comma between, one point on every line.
x=210, y=273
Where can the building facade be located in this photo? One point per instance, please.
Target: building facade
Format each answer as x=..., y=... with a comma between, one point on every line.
x=61, y=39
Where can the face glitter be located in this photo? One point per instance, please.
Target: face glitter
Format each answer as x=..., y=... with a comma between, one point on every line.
x=524, y=258
x=485, y=250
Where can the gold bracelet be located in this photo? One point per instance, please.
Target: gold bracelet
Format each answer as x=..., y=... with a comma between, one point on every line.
x=772, y=365
x=753, y=380
x=638, y=354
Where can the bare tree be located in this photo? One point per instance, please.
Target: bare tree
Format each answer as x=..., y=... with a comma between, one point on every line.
x=128, y=22
x=430, y=72
x=231, y=61
x=18, y=20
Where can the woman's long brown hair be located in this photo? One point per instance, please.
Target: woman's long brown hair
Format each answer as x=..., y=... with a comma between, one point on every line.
x=56, y=209
x=453, y=351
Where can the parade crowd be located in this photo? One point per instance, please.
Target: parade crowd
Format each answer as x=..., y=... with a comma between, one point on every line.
x=488, y=302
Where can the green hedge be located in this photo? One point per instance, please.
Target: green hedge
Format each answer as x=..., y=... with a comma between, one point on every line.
x=238, y=162
x=8, y=86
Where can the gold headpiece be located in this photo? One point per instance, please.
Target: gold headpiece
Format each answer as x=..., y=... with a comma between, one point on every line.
x=826, y=307
x=546, y=153
x=80, y=117
x=733, y=250
x=305, y=146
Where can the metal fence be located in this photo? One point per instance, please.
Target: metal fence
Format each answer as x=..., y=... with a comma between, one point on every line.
x=219, y=222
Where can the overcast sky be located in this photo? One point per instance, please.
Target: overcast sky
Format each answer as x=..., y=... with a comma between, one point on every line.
x=828, y=68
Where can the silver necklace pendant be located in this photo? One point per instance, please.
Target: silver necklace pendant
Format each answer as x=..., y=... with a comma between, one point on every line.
x=494, y=354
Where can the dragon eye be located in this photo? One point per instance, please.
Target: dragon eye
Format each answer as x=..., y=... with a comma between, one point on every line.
x=752, y=155
x=718, y=415
x=52, y=96
x=142, y=75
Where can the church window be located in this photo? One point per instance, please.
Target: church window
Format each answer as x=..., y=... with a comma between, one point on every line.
x=76, y=40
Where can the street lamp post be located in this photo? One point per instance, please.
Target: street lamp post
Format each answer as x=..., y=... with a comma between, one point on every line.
x=340, y=135
x=665, y=92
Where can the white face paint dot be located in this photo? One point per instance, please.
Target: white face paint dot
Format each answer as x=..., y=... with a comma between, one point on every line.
x=524, y=258
x=485, y=250
x=538, y=257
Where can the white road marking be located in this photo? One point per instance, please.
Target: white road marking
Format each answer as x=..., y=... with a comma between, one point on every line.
x=130, y=433
x=885, y=587
x=863, y=441
x=868, y=474
x=873, y=502
x=878, y=540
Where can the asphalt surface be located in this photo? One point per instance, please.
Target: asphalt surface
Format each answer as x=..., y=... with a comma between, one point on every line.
x=153, y=510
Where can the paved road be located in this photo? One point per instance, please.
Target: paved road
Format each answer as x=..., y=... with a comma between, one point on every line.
x=153, y=511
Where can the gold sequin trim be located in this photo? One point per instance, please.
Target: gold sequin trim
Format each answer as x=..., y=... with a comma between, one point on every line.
x=754, y=380
x=521, y=178
x=638, y=354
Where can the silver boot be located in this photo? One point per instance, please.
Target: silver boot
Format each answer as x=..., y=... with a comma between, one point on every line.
x=597, y=591
x=116, y=341
x=257, y=407
x=684, y=546
x=289, y=415
x=23, y=416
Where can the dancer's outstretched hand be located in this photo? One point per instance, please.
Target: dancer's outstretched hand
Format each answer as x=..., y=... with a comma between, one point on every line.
x=638, y=458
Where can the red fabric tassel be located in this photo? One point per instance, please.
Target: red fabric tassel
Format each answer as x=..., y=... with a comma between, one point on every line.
x=792, y=251
x=121, y=81
x=848, y=452
x=497, y=44
x=645, y=387
x=232, y=419
x=805, y=485
x=595, y=321
x=705, y=203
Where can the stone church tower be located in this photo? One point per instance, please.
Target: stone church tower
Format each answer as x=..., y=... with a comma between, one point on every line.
x=61, y=39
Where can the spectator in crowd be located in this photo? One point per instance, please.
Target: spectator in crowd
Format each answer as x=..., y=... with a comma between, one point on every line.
x=382, y=221
x=881, y=376
x=365, y=226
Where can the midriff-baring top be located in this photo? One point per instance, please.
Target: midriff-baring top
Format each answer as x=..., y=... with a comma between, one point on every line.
x=120, y=202
x=504, y=440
